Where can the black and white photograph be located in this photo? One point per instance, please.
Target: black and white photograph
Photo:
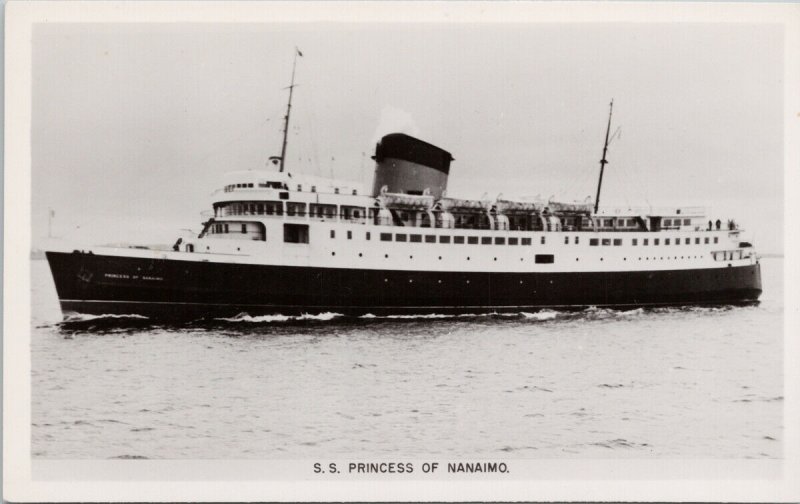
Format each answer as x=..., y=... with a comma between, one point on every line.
x=352, y=251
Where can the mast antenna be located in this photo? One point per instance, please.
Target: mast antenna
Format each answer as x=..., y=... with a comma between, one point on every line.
x=603, y=162
x=288, y=110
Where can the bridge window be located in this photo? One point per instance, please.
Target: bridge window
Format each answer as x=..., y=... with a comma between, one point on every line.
x=513, y=241
x=706, y=240
x=543, y=240
x=631, y=222
x=386, y=236
x=666, y=241
x=566, y=240
x=349, y=235
x=697, y=241
x=499, y=241
x=486, y=240
x=634, y=242
x=606, y=241
x=323, y=211
x=415, y=238
x=458, y=240
x=295, y=233
x=656, y=241
x=544, y=259
x=430, y=239
x=295, y=209
x=687, y=222
x=244, y=228
x=400, y=237
x=268, y=207
x=351, y=212
x=617, y=242
x=593, y=242
x=472, y=240
x=577, y=240
x=333, y=233
x=526, y=241
x=446, y=239
x=687, y=241
x=716, y=239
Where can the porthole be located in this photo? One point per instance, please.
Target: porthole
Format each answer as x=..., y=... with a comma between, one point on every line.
x=440, y=281
x=386, y=256
x=333, y=253
x=385, y=279
x=624, y=258
x=411, y=257
x=601, y=258
x=238, y=249
x=440, y=258
x=520, y=282
x=467, y=281
x=467, y=258
x=576, y=259
x=495, y=258
x=360, y=254
x=410, y=280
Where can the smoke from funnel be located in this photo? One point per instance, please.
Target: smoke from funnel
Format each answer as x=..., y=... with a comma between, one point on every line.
x=395, y=120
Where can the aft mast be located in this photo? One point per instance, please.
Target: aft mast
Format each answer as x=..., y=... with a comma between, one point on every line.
x=603, y=162
x=288, y=110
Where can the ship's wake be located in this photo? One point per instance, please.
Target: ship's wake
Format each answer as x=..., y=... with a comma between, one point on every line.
x=116, y=323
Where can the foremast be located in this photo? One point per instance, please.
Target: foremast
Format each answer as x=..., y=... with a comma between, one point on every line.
x=288, y=111
x=603, y=162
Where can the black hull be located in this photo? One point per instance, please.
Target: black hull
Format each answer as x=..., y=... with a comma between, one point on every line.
x=163, y=288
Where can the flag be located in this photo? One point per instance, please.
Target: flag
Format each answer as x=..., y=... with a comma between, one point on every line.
x=298, y=52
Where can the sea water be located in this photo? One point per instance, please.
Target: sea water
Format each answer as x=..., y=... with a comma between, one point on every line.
x=675, y=382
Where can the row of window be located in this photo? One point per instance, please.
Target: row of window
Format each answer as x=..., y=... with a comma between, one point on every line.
x=728, y=255
x=225, y=228
x=677, y=222
x=619, y=223
x=459, y=240
x=645, y=241
x=318, y=210
x=250, y=185
x=550, y=258
x=277, y=185
x=502, y=240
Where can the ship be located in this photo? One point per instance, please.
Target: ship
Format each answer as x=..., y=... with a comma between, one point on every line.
x=276, y=242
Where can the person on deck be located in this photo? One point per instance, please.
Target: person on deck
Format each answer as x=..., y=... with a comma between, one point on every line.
x=719, y=224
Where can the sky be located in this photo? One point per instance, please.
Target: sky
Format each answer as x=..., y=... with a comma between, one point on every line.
x=133, y=125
